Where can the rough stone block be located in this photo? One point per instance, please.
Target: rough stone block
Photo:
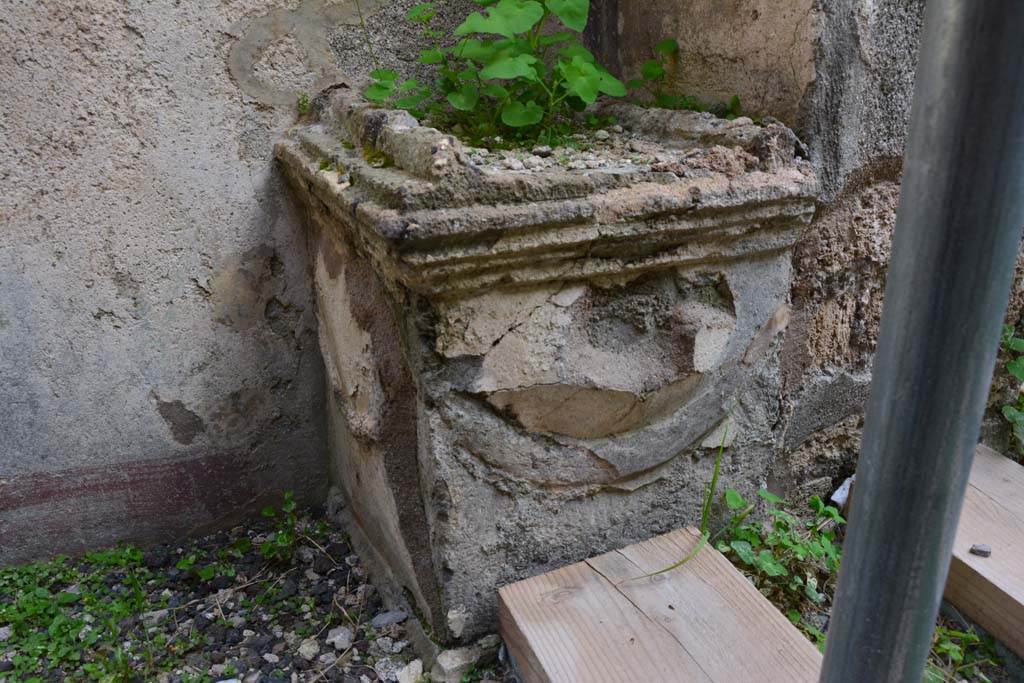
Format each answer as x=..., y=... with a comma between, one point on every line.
x=523, y=365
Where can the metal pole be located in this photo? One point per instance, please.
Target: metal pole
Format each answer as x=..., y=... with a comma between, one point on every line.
x=958, y=232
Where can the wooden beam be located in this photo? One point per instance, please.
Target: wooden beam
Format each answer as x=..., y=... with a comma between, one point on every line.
x=990, y=590
x=596, y=622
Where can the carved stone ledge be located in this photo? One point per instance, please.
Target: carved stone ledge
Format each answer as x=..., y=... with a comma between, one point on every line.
x=521, y=363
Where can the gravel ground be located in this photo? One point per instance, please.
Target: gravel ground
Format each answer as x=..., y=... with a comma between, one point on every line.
x=211, y=609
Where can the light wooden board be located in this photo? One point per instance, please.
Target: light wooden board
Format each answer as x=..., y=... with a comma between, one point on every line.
x=596, y=622
x=990, y=590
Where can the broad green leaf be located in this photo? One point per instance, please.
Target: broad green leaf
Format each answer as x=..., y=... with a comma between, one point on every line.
x=771, y=497
x=518, y=114
x=519, y=66
x=767, y=563
x=506, y=18
x=573, y=13
x=553, y=38
x=432, y=56
x=477, y=50
x=581, y=78
x=1015, y=344
x=412, y=101
x=745, y=552
x=494, y=90
x=380, y=92
x=652, y=70
x=386, y=75
x=465, y=98
x=610, y=85
x=408, y=85
x=634, y=83
x=667, y=47
x=577, y=50
x=734, y=500
x=421, y=12
x=1016, y=368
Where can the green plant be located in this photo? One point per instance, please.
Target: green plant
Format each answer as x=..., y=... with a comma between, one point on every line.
x=958, y=655
x=653, y=74
x=304, y=104
x=790, y=561
x=510, y=73
x=1014, y=413
x=282, y=543
x=79, y=619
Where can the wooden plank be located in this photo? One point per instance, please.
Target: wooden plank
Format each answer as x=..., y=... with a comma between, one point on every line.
x=733, y=632
x=596, y=622
x=999, y=477
x=572, y=626
x=990, y=590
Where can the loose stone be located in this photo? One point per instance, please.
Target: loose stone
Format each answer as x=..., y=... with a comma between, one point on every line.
x=602, y=134
x=981, y=549
x=385, y=619
x=340, y=638
x=309, y=648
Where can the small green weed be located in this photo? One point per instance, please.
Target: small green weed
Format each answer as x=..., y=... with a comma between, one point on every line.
x=69, y=619
x=509, y=73
x=303, y=104
x=1014, y=413
x=792, y=562
x=284, y=541
x=959, y=655
x=653, y=75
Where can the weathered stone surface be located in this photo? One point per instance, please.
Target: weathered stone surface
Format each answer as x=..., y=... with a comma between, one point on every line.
x=761, y=50
x=517, y=360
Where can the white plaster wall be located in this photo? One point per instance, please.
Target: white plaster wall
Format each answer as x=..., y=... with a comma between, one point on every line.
x=159, y=368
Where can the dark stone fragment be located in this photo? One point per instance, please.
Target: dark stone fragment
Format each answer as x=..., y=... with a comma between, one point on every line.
x=260, y=642
x=288, y=588
x=221, y=582
x=217, y=633
x=157, y=557
x=201, y=622
x=340, y=574
x=339, y=551
x=362, y=645
x=322, y=564
x=981, y=550
x=233, y=636
x=6, y=666
x=217, y=657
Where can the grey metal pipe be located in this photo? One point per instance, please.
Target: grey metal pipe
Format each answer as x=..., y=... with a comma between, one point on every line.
x=958, y=231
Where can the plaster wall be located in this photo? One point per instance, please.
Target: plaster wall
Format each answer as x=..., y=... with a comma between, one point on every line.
x=159, y=369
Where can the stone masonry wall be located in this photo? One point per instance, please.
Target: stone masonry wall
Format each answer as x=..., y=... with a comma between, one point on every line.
x=159, y=369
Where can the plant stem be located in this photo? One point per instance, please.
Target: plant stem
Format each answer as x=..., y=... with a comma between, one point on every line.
x=706, y=512
x=366, y=35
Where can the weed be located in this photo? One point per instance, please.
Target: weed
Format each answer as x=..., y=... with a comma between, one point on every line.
x=281, y=545
x=507, y=75
x=653, y=75
x=69, y=619
x=1014, y=414
x=303, y=104
x=958, y=655
x=792, y=562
